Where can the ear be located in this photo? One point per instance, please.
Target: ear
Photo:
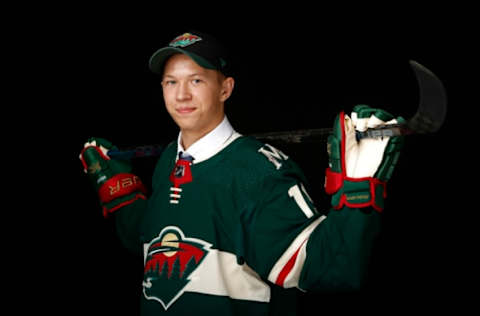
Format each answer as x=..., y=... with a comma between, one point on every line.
x=227, y=88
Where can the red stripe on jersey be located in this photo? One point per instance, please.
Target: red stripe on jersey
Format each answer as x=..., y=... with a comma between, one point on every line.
x=288, y=267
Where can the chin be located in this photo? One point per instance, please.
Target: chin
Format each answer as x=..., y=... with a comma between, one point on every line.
x=186, y=123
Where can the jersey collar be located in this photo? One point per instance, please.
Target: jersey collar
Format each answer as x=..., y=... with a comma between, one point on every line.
x=210, y=144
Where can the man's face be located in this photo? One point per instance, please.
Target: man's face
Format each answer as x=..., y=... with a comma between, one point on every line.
x=194, y=96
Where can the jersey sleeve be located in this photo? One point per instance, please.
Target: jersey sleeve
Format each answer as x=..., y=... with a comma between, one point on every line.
x=129, y=218
x=338, y=251
x=128, y=222
x=293, y=245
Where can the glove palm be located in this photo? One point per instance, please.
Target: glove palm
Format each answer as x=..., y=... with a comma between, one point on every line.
x=359, y=170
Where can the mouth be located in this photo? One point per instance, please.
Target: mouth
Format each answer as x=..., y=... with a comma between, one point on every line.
x=185, y=110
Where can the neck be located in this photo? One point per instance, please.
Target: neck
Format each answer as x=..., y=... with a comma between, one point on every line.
x=189, y=137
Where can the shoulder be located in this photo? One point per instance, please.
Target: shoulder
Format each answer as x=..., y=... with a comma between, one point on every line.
x=169, y=151
x=167, y=157
x=261, y=169
x=170, y=148
x=248, y=152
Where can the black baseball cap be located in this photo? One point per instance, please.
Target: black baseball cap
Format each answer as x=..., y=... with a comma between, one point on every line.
x=203, y=48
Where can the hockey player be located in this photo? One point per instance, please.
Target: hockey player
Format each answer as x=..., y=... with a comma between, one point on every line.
x=229, y=217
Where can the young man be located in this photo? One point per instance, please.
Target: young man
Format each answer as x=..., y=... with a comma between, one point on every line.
x=229, y=217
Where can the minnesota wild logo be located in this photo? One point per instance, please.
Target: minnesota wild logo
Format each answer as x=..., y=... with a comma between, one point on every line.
x=184, y=40
x=169, y=261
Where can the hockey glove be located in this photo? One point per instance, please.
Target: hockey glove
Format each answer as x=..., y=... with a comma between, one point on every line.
x=359, y=170
x=112, y=179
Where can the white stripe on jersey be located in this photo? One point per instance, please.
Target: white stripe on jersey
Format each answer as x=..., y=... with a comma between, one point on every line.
x=287, y=269
x=220, y=274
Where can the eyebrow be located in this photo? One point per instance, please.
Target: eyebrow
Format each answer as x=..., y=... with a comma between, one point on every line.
x=191, y=75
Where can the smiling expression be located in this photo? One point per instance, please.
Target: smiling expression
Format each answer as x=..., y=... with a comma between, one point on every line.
x=194, y=96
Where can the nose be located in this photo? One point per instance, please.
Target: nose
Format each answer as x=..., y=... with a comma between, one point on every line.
x=183, y=92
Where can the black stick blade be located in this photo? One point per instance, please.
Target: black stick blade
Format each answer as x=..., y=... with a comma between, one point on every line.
x=432, y=108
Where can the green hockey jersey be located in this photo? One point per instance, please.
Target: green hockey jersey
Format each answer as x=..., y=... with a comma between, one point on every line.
x=243, y=221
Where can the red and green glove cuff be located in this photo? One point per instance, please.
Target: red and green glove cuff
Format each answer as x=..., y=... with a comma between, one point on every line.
x=120, y=190
x=355, y=192
x=116, y=185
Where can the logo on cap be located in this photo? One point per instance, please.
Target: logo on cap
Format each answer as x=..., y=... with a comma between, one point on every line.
x=184, y=40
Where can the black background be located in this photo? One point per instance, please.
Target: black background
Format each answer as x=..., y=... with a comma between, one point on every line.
x=87, y=70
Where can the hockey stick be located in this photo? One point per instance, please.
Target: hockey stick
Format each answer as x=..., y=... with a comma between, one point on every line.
x=429, y=118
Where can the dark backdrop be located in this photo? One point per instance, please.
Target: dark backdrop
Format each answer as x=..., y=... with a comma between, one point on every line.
x=290, y=75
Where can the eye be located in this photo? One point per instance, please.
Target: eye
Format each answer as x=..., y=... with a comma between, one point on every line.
x=168, y=82
x=196, y=81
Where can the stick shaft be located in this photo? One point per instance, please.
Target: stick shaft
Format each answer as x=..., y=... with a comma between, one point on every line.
x=288, y=137
x=296, y=136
